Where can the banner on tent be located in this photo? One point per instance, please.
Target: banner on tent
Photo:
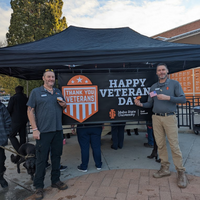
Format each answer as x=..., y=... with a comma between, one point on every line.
x=105, y=97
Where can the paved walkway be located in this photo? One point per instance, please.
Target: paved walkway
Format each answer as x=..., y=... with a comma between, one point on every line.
x=125, y=184
x=126, y=173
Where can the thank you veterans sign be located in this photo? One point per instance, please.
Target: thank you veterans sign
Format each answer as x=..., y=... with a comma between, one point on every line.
x=82, y=100
x=106, y=97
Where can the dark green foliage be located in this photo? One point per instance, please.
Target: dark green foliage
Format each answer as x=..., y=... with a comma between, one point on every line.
x=34, y=19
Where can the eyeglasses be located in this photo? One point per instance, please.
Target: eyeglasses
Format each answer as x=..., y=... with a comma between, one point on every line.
x=48, y=70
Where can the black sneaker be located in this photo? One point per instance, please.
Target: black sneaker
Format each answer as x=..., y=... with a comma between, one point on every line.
x=63, y=168
x=128, y=132
x=136, y=131
x=3, y=182
x=148, y=145
x=113, y=147
x=60, y=185
x=81, y=170
x=38, y=194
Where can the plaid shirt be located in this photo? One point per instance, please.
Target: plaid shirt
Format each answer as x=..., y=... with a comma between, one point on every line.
x=5, y=125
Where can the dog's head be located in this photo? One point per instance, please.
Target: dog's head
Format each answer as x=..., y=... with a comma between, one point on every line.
x=29, y=164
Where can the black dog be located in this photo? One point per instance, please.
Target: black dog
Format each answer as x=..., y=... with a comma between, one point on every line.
x=28, y=151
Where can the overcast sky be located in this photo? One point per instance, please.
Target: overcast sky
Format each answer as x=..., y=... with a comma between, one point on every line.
x=147, y=17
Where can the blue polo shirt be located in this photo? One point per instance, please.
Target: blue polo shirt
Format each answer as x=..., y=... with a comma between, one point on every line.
x=48, y=112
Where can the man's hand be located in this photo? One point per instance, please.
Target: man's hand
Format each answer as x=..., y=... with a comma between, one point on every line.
x=36, y=135
x=31, y=117
x=62, y=104
x=163, y=97
x=138, y=103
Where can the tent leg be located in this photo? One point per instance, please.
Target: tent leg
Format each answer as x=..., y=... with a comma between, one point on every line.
x=27, y=125
x=27, y=88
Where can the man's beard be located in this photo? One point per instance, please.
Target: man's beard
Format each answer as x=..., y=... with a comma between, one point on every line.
x=163, y=77
x=50, y=84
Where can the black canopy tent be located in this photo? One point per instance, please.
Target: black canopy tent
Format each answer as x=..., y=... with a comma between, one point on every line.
x=91, y=48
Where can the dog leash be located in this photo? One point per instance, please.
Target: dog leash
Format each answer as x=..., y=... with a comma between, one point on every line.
x=15, y=152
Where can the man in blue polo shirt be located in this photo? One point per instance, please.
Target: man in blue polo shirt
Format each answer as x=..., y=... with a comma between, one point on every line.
x=45, y=107
x=163, y=97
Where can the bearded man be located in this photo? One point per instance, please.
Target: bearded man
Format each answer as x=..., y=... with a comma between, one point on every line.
x=45, y=107
x=163, y=97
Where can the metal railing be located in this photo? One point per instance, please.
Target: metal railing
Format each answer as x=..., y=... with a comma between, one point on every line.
x=184, y=111
x=184, y=115
x=194, y=100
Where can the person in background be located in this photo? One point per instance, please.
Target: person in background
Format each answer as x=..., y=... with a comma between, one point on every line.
x=45, y=107
x=163, y=97
x=117, y=132
x=18, y=112
x=129, y=131
x=5, y=130
x=150, y=137
x=149, y=125
x=154, y=153
x=89, y=134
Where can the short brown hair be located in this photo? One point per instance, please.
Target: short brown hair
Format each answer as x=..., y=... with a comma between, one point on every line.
x=162, y=64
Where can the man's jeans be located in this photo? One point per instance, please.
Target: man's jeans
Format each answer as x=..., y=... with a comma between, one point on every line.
x=117, y=133
x=86, y=137
x=53, y=140
x=150, y=135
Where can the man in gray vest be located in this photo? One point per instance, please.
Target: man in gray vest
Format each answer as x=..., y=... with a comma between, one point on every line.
x=163, y=97
x=45, y=107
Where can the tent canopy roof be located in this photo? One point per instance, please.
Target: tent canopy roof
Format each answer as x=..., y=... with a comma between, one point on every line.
x=85, y=48
x=75, y=38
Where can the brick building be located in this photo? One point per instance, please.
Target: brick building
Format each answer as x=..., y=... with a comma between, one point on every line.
x=188, y=34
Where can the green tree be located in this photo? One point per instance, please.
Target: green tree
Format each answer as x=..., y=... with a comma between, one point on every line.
x=34, y=19
x=30, y=85
x=3, y=43
x=60, y=23
x=8, y=84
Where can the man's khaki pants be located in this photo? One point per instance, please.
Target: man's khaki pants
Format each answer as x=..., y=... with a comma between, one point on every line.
x=167, y=126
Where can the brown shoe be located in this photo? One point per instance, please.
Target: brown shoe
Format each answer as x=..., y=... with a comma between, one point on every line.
x=60, y=185
x=182, y=179
x=38, y=194
x=164, y=171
